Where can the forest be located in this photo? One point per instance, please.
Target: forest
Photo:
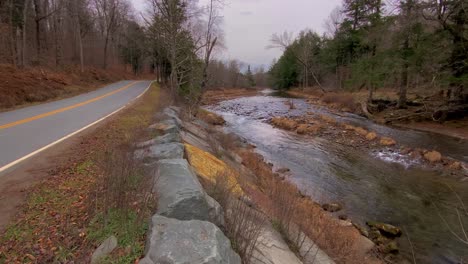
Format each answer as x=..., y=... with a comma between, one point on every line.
x=373, y=44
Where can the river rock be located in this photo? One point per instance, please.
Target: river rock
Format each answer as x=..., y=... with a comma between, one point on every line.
x=106, y=247
x=386, y=229
x=386, y=141
x=377, y=236
x=167, y=138
x=433, y=156
x=166, y=126
x=361, y=131
x=173, y=241
x=390, y=248
x=162, y=151
x=181, y=196
x=332, y=207
x=371, y=136
x=361, y=230
x=283, y=170
x=455, y=165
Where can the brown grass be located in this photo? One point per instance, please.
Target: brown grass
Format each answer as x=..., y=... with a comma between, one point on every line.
x=340, y=101
x=210, y=117
x=244, y=224
x=291, y=211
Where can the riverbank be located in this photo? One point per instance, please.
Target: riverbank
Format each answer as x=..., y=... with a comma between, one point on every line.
x=341, y=167
x=286, y=207
x=415, y=116
x=386, y=148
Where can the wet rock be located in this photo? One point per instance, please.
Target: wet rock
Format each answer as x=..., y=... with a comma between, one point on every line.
x=361, y=230
x=361, y=131
x=328, y=119
x=456, y=165
x=376, y=236
x=371, y=136
x=433, y=156
x=173, y=241
x=386, y=141
x=167, y=138
x=386, y=229
x=343, y=217
x=283, y=170
x=106, y=247
x=390, y=248
x=162, y=151
x=332, y=207
x=181, y=195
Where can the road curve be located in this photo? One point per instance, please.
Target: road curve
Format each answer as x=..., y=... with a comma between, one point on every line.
x=27, y=131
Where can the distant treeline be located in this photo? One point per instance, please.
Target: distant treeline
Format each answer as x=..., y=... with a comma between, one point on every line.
x=400, y=44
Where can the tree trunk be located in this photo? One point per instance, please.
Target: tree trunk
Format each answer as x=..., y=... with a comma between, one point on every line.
x=404, y=76
x=23, y=45
x=12, y=36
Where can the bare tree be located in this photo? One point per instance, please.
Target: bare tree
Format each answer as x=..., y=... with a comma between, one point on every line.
x=301, y=53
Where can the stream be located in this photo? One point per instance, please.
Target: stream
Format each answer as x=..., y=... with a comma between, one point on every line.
x=370, y=186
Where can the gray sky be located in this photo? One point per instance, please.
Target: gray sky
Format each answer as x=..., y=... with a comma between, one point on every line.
x=249, y=24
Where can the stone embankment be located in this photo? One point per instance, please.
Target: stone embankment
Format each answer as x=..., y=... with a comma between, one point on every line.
x=186, y=226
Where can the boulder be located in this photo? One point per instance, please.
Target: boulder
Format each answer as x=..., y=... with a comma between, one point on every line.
x=166, y=126
x=390, y=248
x=455, y=165
x=386, y=229
x=164, y=139
x=106, y=247
x=172, y=241
x=162, y=151
x=332, y=207
x=433, y=156
x=371, y=136
x=386, y=141
x=361, y=131
x=181, y=196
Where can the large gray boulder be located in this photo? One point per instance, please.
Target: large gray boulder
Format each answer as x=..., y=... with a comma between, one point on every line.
x=162, y=151
x=164, y=139
x=181, y=196
x=172, y=241
x=166, y=126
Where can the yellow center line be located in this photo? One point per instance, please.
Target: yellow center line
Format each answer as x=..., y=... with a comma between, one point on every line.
x=29, y=119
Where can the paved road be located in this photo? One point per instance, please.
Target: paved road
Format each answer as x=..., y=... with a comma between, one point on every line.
x=27, y=131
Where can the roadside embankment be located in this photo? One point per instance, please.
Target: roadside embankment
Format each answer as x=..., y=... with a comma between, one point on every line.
x=32, y=85
x=185, y=212
x=92, y=198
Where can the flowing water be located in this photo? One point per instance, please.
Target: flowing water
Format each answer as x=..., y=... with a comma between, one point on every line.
x=371, y=186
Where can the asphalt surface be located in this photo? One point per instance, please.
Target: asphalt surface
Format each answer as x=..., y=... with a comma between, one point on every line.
x=25, y=131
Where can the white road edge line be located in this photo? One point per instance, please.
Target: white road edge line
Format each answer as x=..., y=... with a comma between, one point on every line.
x=11, y=164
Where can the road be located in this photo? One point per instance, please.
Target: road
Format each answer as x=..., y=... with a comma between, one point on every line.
x=27, y=131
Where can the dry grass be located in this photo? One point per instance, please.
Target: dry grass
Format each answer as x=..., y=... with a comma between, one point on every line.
x=210, y=117
x=341, y=101
x=244, y=224
x=291, y=211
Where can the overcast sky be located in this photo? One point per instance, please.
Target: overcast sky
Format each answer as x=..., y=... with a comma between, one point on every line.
x=249, y=24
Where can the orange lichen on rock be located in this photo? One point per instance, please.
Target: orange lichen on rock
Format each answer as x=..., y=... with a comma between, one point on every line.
x=210, y=168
